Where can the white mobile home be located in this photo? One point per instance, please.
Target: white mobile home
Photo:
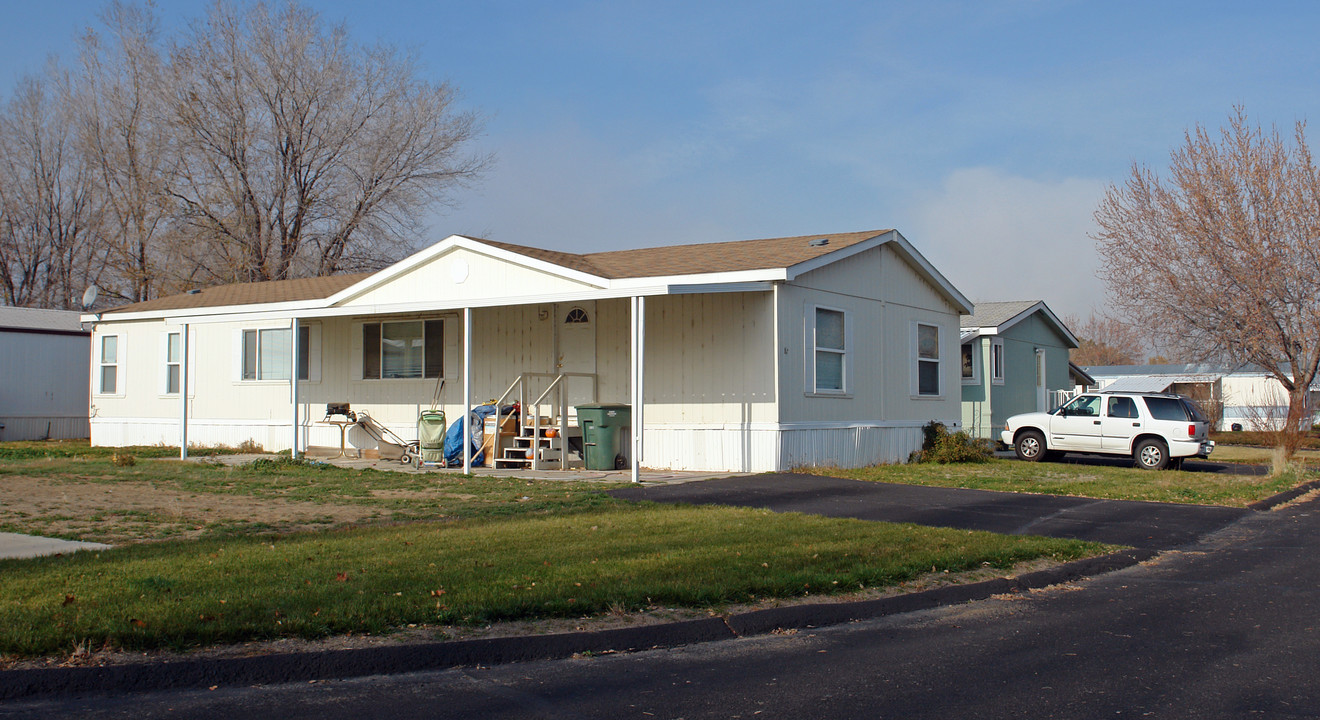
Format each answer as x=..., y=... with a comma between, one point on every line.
x=44, y=358
x=1236, y=398
x=742, y=356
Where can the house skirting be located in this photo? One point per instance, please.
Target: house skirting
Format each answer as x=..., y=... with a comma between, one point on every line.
x=43, y=427
x=715, y=447
x=767, y=447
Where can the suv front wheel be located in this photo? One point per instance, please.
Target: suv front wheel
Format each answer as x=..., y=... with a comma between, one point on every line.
x=1151, y=454
x=1030, y=446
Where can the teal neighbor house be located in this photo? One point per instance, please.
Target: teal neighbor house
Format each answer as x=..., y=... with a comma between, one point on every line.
x=1014, y=360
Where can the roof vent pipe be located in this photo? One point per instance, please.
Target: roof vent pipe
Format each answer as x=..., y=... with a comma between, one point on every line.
x=819, y=242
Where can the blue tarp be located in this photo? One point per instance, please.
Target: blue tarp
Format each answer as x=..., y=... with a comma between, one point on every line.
x=454, y=441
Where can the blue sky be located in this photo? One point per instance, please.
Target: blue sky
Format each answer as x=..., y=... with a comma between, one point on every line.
x=985, y=132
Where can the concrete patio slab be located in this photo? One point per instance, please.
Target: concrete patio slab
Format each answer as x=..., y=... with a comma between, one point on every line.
x=14, y=545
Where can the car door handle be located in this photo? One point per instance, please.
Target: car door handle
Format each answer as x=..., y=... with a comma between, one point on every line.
x=1095, y=422
x=1136, y=424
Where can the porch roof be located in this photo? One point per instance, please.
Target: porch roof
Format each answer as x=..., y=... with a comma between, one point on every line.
x=747, y=265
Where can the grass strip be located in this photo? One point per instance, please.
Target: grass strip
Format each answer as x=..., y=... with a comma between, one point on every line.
x=1062, y=478
x=181, y=595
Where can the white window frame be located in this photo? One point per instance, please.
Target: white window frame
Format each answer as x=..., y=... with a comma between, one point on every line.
x=811, y=389
x=166, y=363
x=975, y=378
x=917, y=360
x=362, y=341
x=997, y=361
x=118, y=365
x=313, y=355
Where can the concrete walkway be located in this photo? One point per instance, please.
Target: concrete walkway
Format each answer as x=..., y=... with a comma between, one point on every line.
x=1138, y=524
x=14, y=545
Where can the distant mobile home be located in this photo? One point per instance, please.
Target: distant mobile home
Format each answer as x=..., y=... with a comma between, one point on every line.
x=747, y=356
x=44, y=358
x=1241, y=397
x=1014, y=360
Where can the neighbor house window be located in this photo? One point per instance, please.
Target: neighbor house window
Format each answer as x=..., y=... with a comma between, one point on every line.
x=407, y=349
x=971, y=371
x=173, y=346
x=997, y=361
x=831, y=350
x=927, y=359
x=109, y=364
x=267, y=353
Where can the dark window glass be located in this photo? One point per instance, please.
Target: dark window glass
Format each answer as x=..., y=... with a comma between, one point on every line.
x=435, y=348
x=1166, y=408
x=249, y=354
x=1122, y=407
x=968, y=370
x=304, y=352
x=371, y=351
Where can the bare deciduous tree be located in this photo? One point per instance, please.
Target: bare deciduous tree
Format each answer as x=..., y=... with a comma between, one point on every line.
x=47, y=201
x=1104, y=340
x=1221, y=257
x=302, y=153
x=123, y=138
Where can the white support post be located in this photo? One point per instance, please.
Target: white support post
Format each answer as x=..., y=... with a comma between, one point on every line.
x=638, y=374
x=293, y=383
x=183, y=393
x=467, y=390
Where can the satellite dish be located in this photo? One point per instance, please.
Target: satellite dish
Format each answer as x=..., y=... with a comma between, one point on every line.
x=89, y=296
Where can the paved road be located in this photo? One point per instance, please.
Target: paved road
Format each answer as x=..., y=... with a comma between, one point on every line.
x=1138, y=524
x=1225, y=628
x=1190, y=465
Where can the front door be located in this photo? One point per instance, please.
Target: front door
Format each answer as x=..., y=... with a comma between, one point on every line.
x=575, y=342
x=1077, y=425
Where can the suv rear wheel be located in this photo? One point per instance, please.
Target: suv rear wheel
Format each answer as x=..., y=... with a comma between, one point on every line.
x=1151, y=454
x=1030, y=446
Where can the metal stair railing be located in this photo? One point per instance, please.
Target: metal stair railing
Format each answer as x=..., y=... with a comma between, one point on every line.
x=560, y=406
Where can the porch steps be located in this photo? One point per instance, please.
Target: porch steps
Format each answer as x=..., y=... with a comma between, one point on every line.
x=548, y=449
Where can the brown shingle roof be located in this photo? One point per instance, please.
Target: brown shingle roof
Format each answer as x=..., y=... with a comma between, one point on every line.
x=270, y=291
x=616, y=264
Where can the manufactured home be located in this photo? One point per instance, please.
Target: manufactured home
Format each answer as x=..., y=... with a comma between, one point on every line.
x=1243, y=397
x=738, y=356
x=44, y=355
x=1014, y=360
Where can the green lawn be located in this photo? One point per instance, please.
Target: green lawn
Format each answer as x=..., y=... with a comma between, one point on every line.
x=1062, y=478
x=572, y=564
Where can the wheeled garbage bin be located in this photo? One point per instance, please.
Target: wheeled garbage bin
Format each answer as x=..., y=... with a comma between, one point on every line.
x=602, y=434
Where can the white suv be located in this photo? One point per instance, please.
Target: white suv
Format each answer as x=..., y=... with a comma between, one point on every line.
x=1155, y=430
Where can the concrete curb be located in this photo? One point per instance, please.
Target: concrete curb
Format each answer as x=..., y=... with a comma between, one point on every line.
x=337, y=664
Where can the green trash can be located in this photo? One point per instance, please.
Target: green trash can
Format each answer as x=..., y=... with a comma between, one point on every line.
x=602, y=433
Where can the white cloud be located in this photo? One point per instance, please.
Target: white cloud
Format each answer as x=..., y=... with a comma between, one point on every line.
x=999, y=237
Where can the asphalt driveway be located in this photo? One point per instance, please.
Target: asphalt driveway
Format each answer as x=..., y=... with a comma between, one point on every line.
x=1149, y=525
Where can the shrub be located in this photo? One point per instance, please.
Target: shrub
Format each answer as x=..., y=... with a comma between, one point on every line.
x=123, y=460
x=941, y=446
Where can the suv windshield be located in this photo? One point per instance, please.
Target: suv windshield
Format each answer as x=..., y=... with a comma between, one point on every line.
x=1166, y=408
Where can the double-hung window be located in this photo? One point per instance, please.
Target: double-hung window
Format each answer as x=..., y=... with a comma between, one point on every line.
x=109, y=359
x=831, y=351
x=173, y=349
x=971, y=369
x=997, y=361
x=403, y=349
x=927, y=359
x=267, y=353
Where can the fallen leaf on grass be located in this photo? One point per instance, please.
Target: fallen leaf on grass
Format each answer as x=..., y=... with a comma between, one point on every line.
x=69, y=600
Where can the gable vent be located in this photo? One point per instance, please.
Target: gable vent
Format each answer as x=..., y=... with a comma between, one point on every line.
x=818, y=242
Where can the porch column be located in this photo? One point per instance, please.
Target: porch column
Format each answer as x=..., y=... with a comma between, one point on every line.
x=638, y=381
x=183, y=393
x=467, y=389
x=293, y=383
